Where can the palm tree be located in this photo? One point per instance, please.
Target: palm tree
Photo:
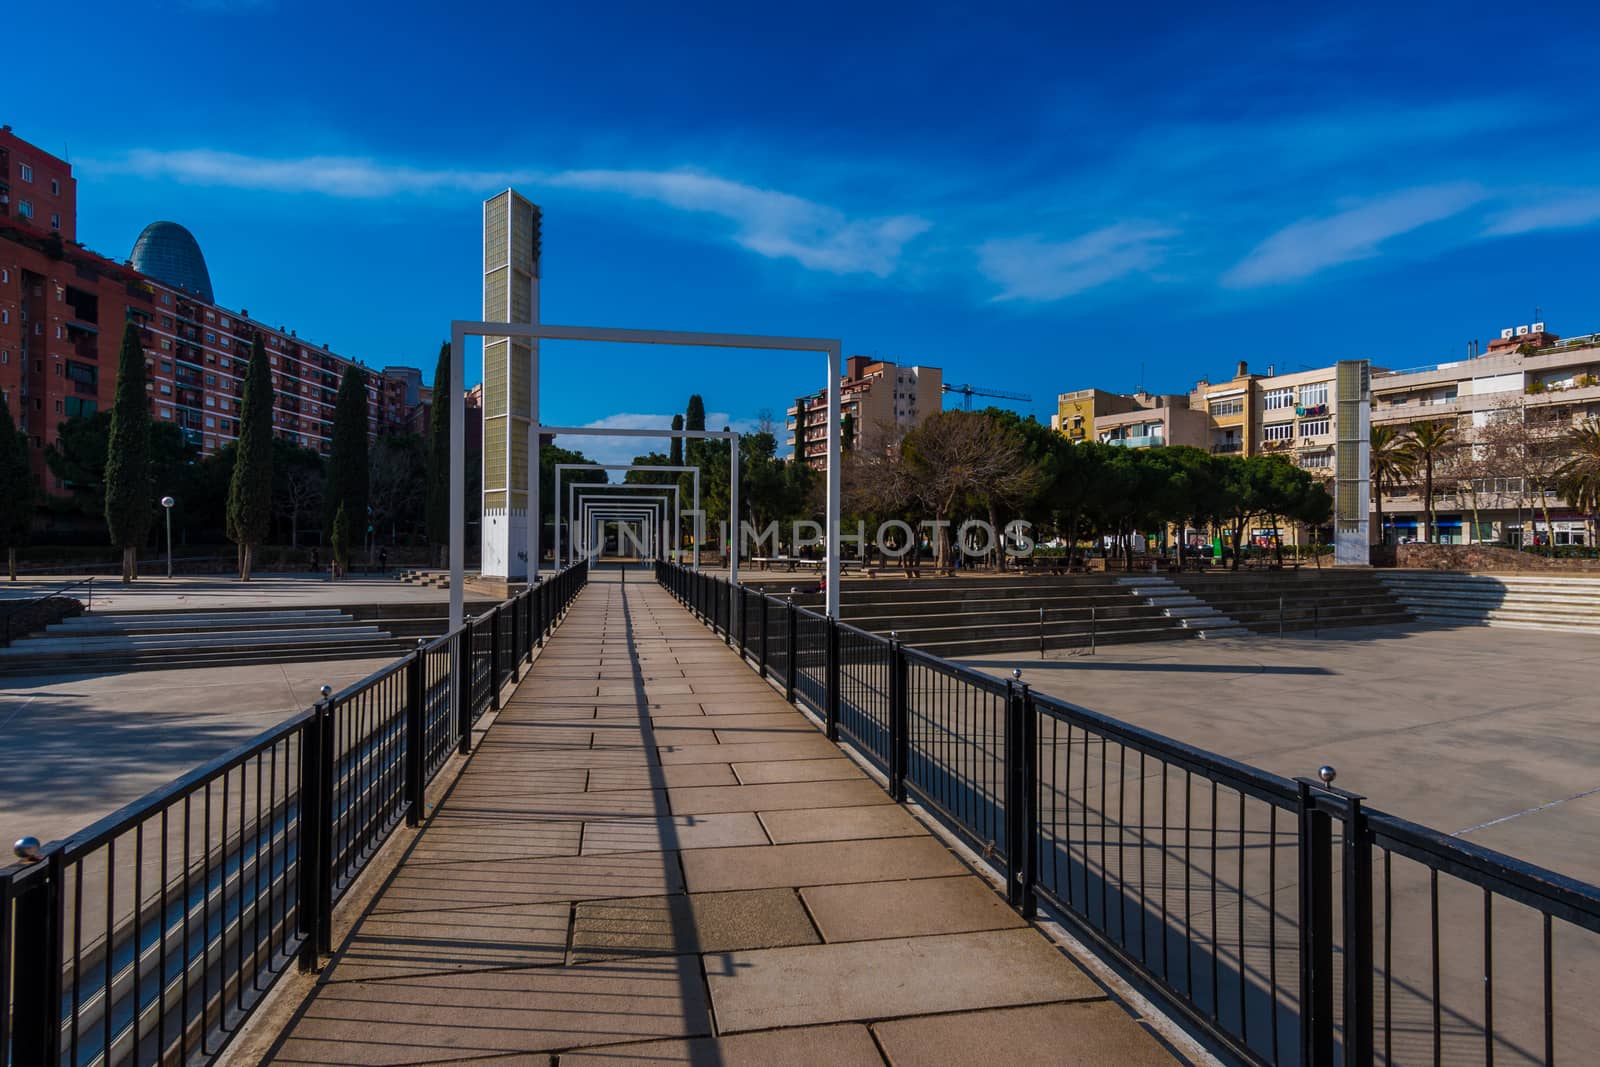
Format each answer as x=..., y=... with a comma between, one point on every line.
x=1429, y=443
x=1390, y=466
x=1580, y=475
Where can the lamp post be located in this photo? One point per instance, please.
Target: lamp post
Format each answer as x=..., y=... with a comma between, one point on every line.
x=166, y=505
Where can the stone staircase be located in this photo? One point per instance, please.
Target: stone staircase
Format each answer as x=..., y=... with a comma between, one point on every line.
x=1178, y=603
x=433, y=579
x=1520, y=601
x=123, y=641
x=1310, y=598
x=983, y=615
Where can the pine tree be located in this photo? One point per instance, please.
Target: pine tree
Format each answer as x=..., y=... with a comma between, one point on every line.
x=436, y=504
x=17, y=488
x=347, y=462
x=128, y=505
x=675, y=452
x=250, y=489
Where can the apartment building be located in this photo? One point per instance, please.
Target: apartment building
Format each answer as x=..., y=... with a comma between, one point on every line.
x=1154, y=421
x=1078, y=411
x=875, y=394
x=63, y=310
x=1522, y=395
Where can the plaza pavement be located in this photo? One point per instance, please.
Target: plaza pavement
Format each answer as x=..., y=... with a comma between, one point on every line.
x=78, y=747
x=652, y=858
x=220, y=592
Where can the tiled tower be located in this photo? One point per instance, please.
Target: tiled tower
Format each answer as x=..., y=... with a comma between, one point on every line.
x=510, y=294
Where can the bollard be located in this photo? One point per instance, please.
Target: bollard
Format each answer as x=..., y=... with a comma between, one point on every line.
x=1280, y=616
x=1094, y=615
x=1041, y=633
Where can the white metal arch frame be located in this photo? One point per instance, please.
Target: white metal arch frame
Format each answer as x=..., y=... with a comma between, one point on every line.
x=650, y=520
x=461, y=329
x=576, y=488
x=626, y=468
x=657, y=508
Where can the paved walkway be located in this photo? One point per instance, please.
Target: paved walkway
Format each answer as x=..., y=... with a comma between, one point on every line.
x=651, y=858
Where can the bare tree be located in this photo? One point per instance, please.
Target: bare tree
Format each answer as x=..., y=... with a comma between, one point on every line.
x=395, y=483
x=959, y=456
x=302, y=495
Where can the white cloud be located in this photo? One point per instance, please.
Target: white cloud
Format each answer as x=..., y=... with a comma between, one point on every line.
x=1031, y=268
x=1303, y=248
x=770, y=223
x=341, y=176
x=1559, y=212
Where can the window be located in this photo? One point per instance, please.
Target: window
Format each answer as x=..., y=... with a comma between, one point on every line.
x=1315, y=427
x=1320, y=458
x=5, y=275
x=166, y=346
x=211, y=424
x=166, y=390
x=25, y=172
x=55, y=187
x=1279, y=398
x=1232, y=406
x=55, y=221
x=78, y=407
x=166, y=413
x=1312, y=395
x=5, y=317
x=225, y=322
x=5, y=357
x=211, y=401
x=166, y=298
x=1278, y=431
x=25, y=209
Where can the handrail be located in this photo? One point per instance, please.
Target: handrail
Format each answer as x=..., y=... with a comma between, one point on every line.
x=5, y=635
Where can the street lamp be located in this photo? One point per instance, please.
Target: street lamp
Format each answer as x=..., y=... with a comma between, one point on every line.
x=166, y=505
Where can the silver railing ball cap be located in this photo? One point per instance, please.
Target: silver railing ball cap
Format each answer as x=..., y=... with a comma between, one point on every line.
x=326, y=691
x=27, y=848
x=1327, y=773
x=1016, y=672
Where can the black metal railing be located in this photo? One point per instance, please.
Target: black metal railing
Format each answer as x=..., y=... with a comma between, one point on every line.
x=148, y=937
x=14, y=616
x=1283, y=920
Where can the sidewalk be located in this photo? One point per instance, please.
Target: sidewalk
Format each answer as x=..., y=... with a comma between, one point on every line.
x=651, y=858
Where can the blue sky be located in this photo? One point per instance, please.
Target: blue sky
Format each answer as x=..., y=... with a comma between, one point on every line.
x=1034, y=197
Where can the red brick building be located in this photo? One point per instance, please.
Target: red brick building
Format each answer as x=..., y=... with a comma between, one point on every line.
x=62, y=310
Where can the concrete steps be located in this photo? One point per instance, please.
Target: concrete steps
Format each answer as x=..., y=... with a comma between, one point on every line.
x=1175, y=602
x=983, y=615
x=161, y=640
x=1302, y=600
x=1535, y=602
x=431, y=578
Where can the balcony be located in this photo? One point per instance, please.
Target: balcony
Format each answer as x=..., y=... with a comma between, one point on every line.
x=1147, y=440
x=1227, y=448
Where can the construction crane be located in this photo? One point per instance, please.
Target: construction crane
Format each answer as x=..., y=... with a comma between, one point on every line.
x=969, y=391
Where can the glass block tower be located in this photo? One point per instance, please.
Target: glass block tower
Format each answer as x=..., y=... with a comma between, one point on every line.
x=510, y=294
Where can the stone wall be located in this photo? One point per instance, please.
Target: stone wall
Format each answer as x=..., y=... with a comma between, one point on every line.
x=1485, y=558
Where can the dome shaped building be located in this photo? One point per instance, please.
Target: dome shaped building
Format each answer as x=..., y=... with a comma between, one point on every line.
x=169, y=253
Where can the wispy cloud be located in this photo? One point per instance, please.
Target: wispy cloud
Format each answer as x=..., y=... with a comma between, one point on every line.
x=341, y=176
x=1303, y=248
x=1034, y=269
x=1559, y=211
x=768, y=222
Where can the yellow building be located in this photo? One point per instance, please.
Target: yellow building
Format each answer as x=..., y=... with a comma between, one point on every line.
x=1076, y=411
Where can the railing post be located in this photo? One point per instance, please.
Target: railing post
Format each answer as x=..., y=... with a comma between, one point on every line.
x=830, y=689
x=328, y=757
x=464, y=669
x=763, y=634
x=494, y=659
x=1021, y=796
x=1359, y=1012
x=899, y=719
x=37, y=969
x=540, y=614
x=792, y=653
x=515, y=612
x=415, y=734
x=1316, y=931
x=309, y=844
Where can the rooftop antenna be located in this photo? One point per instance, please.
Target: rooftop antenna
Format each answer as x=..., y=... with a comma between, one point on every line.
x=1141, y=376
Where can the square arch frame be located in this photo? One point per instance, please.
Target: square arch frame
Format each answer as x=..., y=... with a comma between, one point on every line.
x=575, y=489
x=627, y=468
x=650, y=515
x=659, y=505
x=461, y=329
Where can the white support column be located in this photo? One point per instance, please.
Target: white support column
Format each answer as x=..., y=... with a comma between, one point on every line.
x=457, y=399
x=834, y=478
x=733, y=510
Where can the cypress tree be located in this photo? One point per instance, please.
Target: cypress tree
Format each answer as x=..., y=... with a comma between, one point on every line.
x=694, y=456
x=250, y=489
x=339, y=541
x=347, y=462
x=17, y=488
x=128, y=505
x=436, y=503
x=675, y=453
